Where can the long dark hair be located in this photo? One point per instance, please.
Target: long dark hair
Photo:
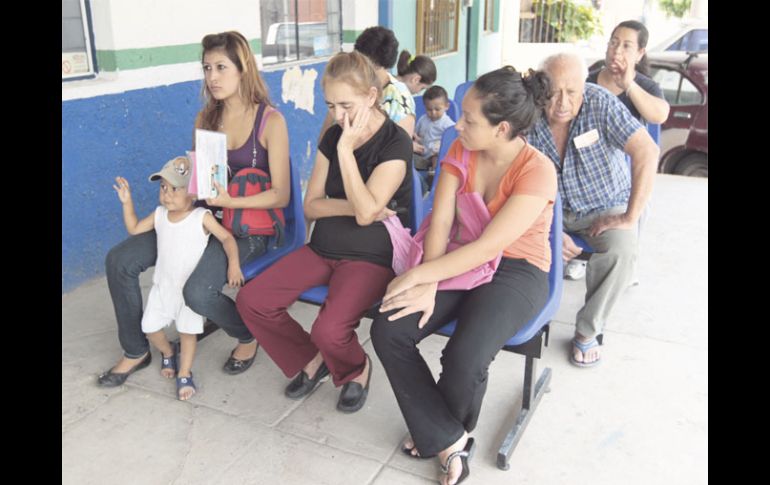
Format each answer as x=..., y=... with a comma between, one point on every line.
x=642, y=36
x=252, y=88
x=518, y=98
x=422, y=65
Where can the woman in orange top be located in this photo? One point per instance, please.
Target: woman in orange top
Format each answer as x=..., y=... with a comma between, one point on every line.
x=518, y=185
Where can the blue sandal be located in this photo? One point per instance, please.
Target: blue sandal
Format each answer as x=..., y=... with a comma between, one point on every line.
x=182, y=382
x=170, y=362
x=583, y=348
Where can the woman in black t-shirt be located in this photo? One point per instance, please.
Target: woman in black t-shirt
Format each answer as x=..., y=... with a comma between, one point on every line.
x=625, y=73
x=361, y=176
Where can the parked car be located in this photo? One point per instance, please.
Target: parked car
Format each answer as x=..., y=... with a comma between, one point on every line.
x=683, y=78
x=692, y=37
x=281, y=41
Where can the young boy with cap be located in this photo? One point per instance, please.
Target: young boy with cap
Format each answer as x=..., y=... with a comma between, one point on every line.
x=183, y=232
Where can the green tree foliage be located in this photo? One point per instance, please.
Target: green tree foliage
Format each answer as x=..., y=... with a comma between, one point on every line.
x=566, y=21
x=675, y=8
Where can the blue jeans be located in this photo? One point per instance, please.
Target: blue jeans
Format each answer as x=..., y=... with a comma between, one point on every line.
x=202, y=293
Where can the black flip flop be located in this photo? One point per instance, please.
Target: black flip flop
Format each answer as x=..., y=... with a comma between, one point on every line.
x=408, y=452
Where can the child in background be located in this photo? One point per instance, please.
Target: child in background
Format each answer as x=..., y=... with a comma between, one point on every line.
x=430, y=127
x=182, y=233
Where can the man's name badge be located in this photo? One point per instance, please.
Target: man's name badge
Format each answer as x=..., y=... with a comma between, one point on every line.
x=586, y=139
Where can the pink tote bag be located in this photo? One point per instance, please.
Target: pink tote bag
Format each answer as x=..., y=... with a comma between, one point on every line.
x=471, y=217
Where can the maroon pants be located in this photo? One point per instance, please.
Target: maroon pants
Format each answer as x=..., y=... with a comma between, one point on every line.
x=354, y=286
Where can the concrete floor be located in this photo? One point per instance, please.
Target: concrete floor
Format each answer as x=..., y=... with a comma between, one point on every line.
x=641, y=417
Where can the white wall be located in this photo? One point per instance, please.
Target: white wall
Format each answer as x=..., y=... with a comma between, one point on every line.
x=526, y=56
x=359, y=14
x=132, y=24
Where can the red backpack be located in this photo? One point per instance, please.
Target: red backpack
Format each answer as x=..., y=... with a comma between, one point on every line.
x=247, y=222
x=251, y=181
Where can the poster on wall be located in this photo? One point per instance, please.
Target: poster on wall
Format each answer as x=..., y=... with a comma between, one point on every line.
x=74, y=63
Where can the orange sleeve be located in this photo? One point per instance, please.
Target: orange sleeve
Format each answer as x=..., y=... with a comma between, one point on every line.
x=537, y=177
x=455, y=151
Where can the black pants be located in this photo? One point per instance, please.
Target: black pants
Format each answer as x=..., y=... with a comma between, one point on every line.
x=437, y=413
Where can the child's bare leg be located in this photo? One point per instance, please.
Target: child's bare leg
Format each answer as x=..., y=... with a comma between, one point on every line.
x=159, y=341
x=185, y=360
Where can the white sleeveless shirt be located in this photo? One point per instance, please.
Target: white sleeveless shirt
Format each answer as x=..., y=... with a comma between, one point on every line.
x=180, y=246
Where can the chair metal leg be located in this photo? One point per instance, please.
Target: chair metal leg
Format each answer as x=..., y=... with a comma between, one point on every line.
x=529, y=402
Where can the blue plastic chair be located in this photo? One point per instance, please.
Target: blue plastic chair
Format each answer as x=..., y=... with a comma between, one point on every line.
x=417, y=212
x=449, y=136
x=294, y=238
x=295, y=231
x=317, y=294
x=453, y=111
x=419, y=107
x=529, y=342
x=654, y=131
x=581, y=243
x=460, y=91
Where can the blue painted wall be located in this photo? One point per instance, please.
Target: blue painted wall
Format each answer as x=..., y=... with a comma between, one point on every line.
x=132, y=134
x=385, y=13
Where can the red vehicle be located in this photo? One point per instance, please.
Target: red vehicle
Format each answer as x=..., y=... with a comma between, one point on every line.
x=684, y=143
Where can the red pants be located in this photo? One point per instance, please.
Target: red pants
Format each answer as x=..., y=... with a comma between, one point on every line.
x=354, y=286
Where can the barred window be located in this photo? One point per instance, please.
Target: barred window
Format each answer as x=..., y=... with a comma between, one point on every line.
x=76, y=57
x=437, y=26
x=299, y=29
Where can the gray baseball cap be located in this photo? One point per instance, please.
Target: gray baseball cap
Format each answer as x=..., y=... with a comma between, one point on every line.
x=176, y=171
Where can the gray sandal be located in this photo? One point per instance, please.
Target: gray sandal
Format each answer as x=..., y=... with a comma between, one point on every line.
x=465, y=456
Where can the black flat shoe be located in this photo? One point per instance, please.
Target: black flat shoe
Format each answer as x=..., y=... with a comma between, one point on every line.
x=235, y=366
x=353, y=395
x=115, y=379
x=302, y=385
x=465, y=456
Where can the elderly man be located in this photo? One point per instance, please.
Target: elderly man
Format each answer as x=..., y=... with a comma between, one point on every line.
x=586, y=131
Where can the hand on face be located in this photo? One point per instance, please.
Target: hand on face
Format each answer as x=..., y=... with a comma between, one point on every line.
x=355, y=133
x=622, y=73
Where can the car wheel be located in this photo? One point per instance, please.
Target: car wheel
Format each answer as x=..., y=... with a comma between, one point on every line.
x=693, y=165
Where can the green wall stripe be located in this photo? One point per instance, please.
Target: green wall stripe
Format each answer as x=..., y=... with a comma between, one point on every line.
x=350, y=36
x=125, y=59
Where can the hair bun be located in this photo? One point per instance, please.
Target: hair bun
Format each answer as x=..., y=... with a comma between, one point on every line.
x=537, y=84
